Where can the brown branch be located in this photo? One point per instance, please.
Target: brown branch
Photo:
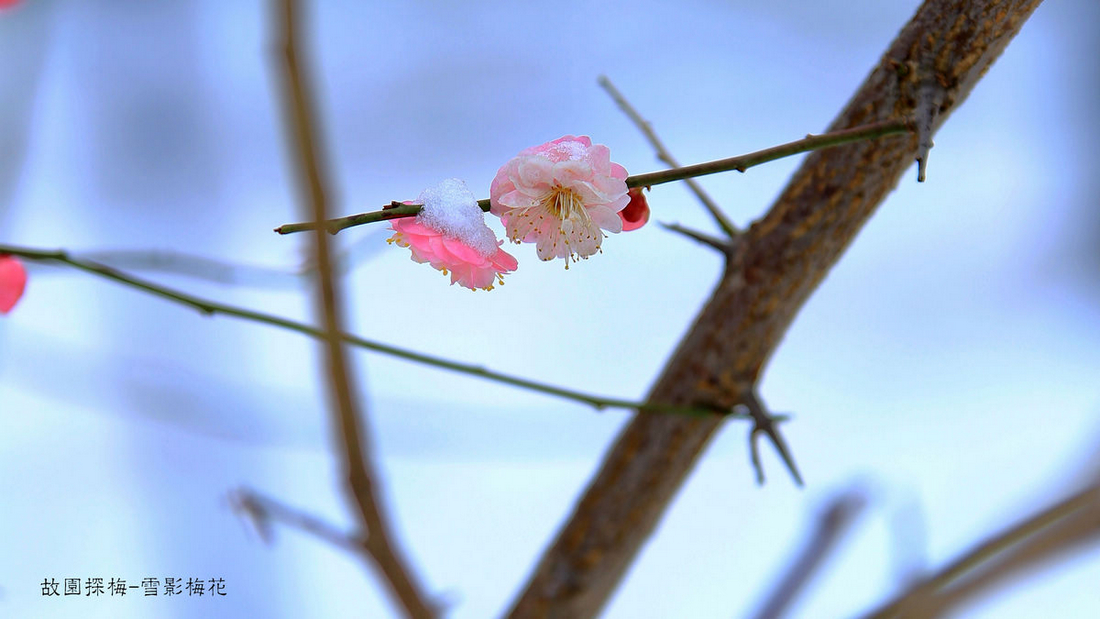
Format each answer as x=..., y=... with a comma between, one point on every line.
x=359, y=476
x=770, y=274
x=1054, y=530
x=874, y=130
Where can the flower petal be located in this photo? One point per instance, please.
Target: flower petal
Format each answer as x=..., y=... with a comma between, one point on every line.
x=606, y=218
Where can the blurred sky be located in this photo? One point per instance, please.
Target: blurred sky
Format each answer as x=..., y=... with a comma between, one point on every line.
x=947, y=366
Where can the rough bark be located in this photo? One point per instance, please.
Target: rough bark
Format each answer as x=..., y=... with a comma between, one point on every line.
x=927, y=72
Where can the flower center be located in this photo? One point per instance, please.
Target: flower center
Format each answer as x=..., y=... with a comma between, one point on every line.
x=568, y=207
x=565, y=204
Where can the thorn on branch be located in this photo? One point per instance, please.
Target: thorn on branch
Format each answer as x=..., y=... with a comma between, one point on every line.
x=928, y=107
x=765, y=423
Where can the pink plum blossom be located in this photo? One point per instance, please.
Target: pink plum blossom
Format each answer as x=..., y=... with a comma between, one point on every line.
x=450, y=234
x=636, y=213
x=466, y=266
x=13, y=280
x=561, y=196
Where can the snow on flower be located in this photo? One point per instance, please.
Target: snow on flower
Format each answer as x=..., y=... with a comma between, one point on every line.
x=13, y=280
x=450, y=234
x=636, y=213
x=561, y=196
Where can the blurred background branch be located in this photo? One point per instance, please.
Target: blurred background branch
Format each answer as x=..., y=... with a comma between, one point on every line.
x=361, y=477
x=263, y=512
x=218, y=271
x=1065, y=526
x=830, y=525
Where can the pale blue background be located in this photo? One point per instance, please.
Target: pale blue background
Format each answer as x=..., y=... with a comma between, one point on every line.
x=947, y=365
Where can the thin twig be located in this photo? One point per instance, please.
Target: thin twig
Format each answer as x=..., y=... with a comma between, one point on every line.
x=261, y=511
x=1071, y=533
x=722, y=245
x=739, y=163
x=394, y=210
x=744, y=162
x=356, y=458
x=666, y=157
x=830, y=525
x=211, y=308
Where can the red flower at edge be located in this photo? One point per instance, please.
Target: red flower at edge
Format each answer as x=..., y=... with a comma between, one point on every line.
x=636, y=213
x=13, y=280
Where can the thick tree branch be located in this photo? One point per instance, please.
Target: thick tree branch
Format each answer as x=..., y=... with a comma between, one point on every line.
x=946, y=46
x=358, y=471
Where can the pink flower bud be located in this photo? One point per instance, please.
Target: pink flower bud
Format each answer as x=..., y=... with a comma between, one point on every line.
x=13, y=280
x=636, y=213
